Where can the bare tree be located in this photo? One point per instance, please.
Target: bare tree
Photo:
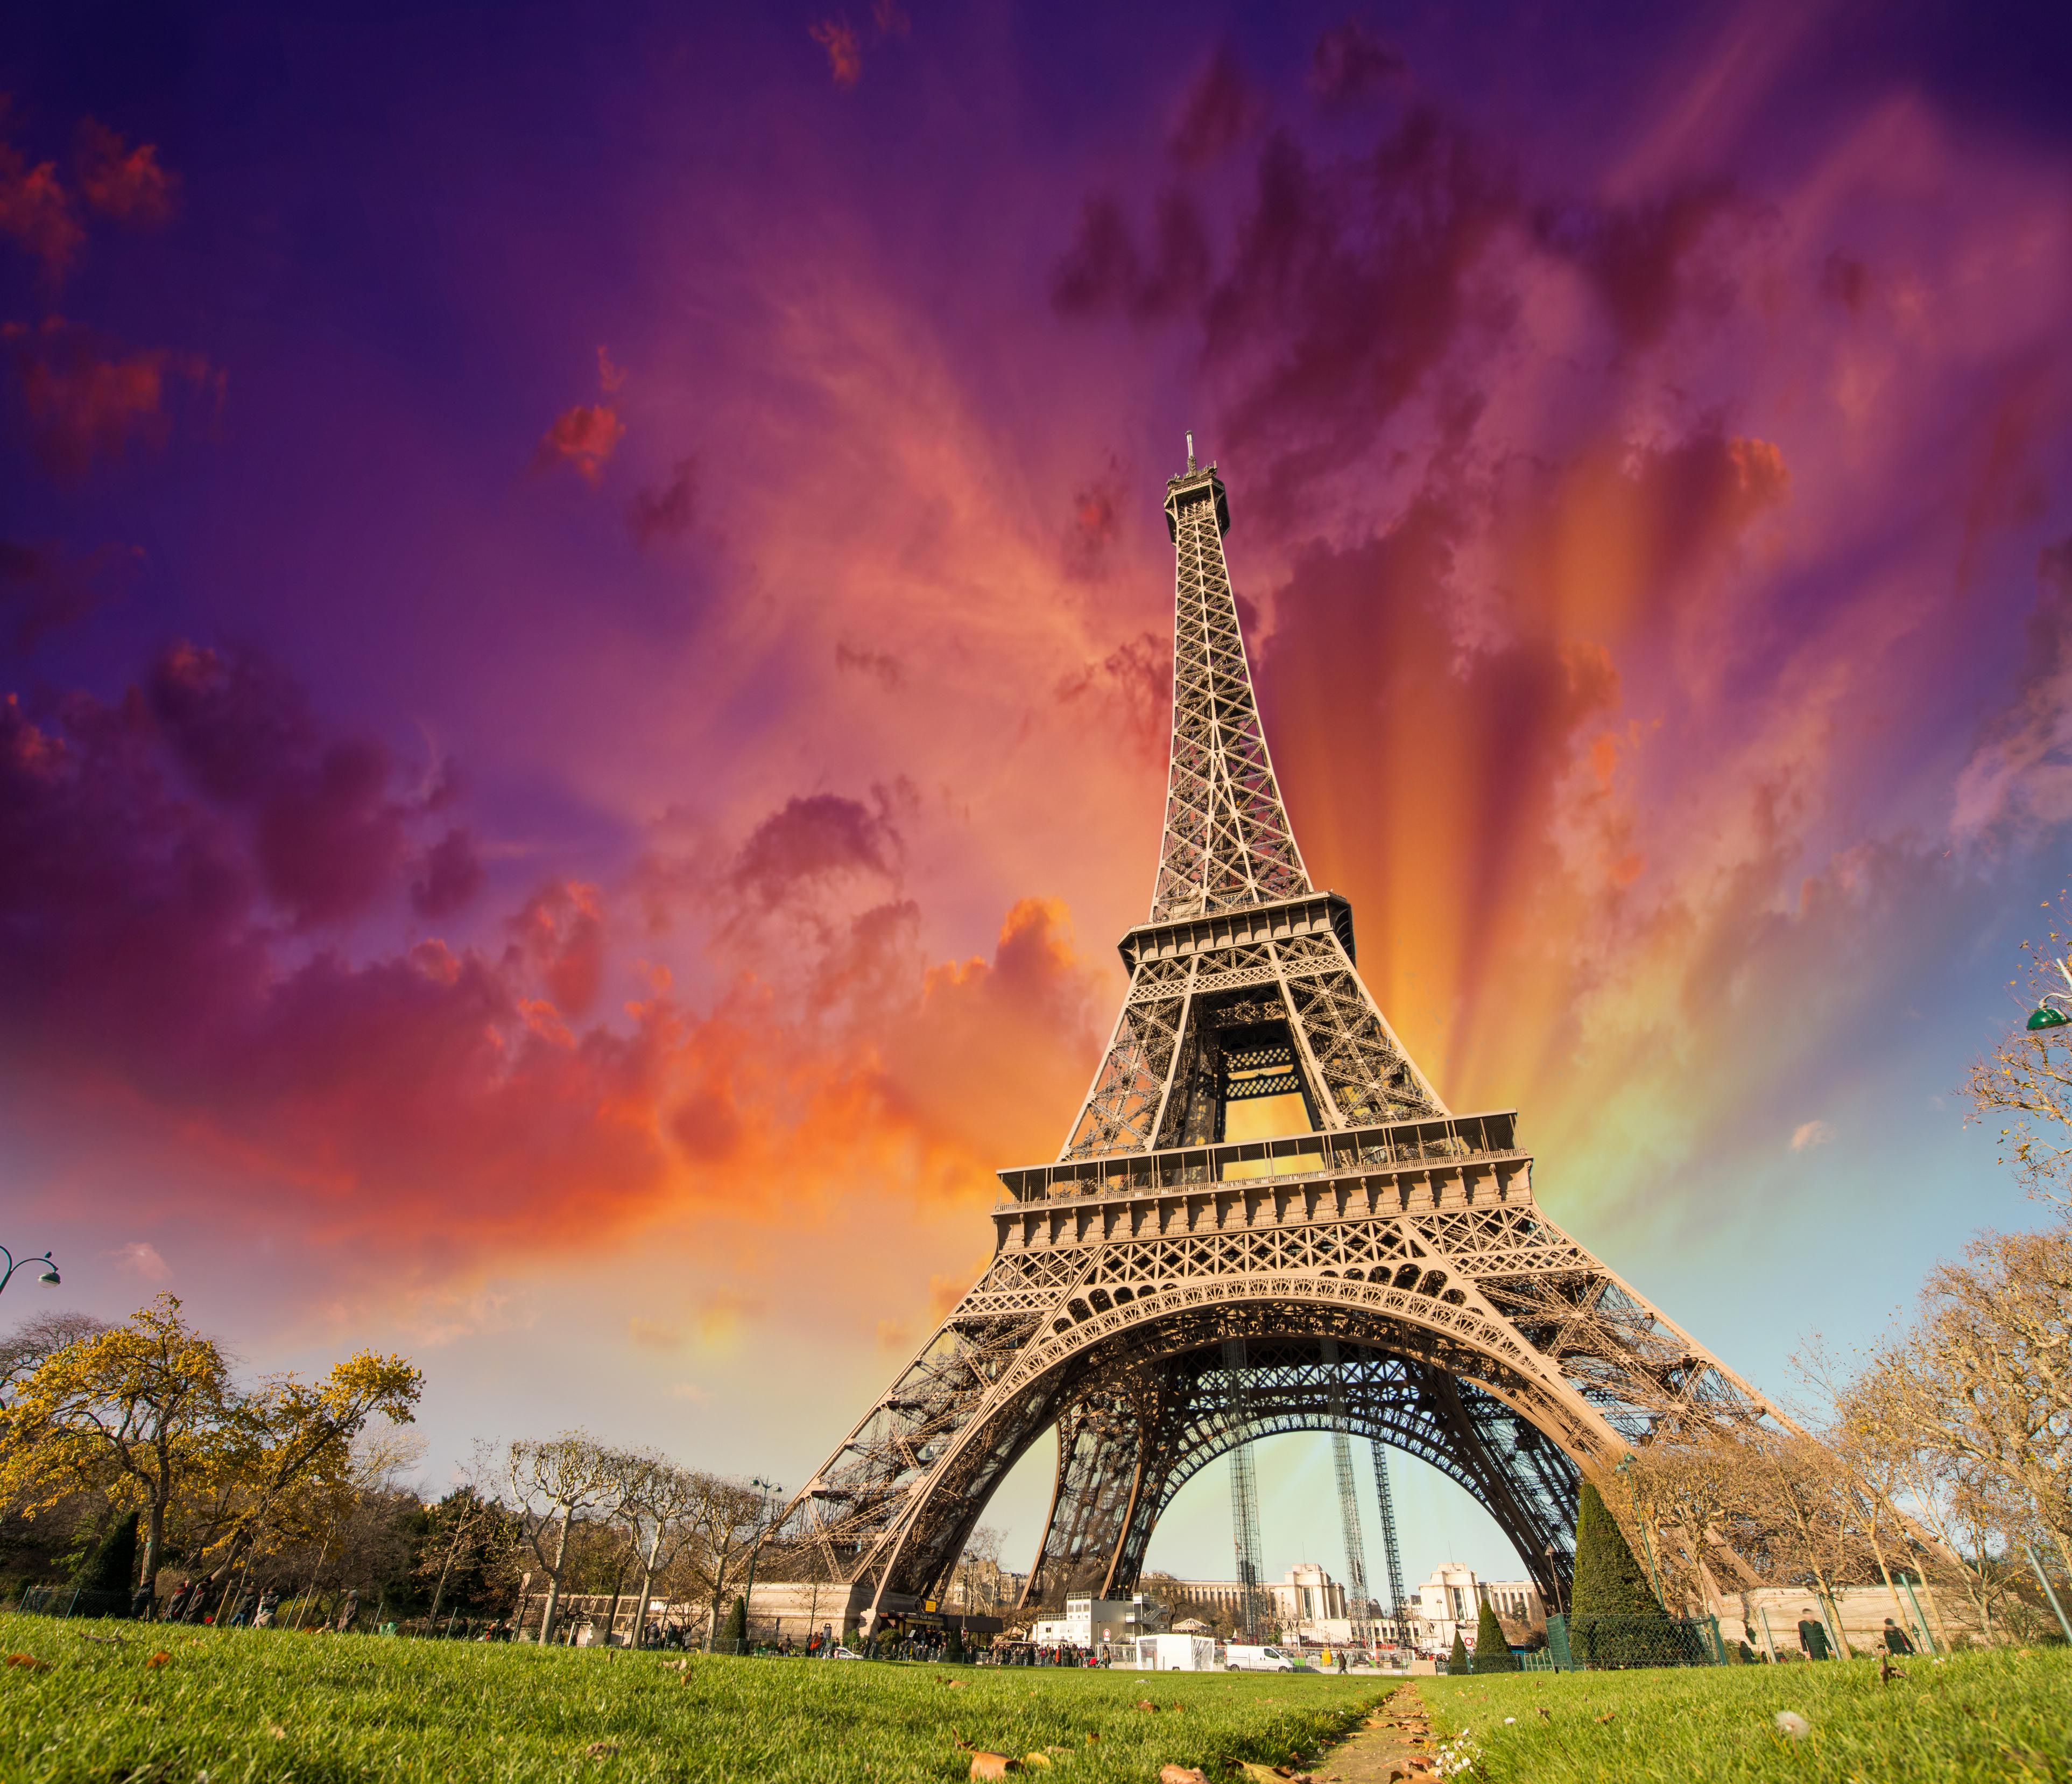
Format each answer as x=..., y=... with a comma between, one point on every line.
x=1985, y=1372
x=464, y=1523
x=25, y=1349
x=551, y=1482
x=727, y=1521
x=658, y=1507
x=978, y=1583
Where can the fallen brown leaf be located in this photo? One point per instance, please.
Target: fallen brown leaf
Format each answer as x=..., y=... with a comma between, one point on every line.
x=1543, y=1716
x=276, y=1731
x=1606, y=1717
x=984, y=1765
x=158, y=1659
x=29, y=1661
x=1182, y=1775
x=601, y=1750
x=1145, y=1703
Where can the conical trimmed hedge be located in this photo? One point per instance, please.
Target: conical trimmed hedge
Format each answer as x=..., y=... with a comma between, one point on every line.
x=1457, y=1662
x=110, y=1565
x=1608, y=1581
x=1615, y=1619
x=1492, y=1647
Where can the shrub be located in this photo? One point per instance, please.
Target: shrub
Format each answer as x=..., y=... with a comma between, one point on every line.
x=1616, y=1620
x=110, y=1565
x=1492, y=1650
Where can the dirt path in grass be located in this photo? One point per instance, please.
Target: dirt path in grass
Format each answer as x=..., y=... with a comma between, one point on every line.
x=1394, y=1744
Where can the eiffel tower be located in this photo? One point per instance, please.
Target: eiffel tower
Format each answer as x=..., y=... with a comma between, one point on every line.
x=1264, y=1220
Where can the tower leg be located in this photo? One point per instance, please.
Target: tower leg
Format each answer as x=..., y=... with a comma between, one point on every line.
x=1101, y=1467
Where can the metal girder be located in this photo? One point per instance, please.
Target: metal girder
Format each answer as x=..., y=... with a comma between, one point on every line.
x=1469, y=1330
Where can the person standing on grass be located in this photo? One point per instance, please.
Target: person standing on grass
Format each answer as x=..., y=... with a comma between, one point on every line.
x=269, y=1601
x=350, y=1612
x=1897, y=1641
x=176, y=1606
x=1812, y=1635
x=141, y=1603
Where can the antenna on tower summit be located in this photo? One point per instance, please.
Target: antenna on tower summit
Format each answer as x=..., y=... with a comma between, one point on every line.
x=1190, y=455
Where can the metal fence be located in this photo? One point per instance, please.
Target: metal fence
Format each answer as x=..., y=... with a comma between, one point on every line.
x=1599, y=1644
x=62, y=1600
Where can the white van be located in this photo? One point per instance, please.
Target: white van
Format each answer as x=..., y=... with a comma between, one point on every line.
x=1240, y=1658
x=1176, y=1653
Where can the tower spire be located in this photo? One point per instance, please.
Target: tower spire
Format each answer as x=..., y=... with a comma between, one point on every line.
x=1227, y=843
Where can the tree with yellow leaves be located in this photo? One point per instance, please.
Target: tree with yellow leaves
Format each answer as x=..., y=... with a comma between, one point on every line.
x=148, y=1413
x=137, y=1411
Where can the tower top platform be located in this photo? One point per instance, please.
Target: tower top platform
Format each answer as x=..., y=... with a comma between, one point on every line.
x=1190, y=486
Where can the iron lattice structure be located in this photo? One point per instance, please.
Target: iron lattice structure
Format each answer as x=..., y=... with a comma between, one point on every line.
x=1358, y=1605
x=1384, y=1268
x=1244, y=1493
x=1390, y=1553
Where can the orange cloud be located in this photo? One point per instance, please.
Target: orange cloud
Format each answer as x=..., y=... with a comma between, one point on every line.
x=845, y=53
x=584, y=437
x=122, y=183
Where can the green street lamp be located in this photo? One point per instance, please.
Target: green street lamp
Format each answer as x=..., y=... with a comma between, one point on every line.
x=49, y=1277
x=769, y=1489
x=2049, y=1012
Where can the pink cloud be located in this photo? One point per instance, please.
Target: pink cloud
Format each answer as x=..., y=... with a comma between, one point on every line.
x=583, y=437
x=667, y=512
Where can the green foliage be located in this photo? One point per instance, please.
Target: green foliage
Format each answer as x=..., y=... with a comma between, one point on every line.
x=2000, y=1715
x=110, y=1565
x=1492, y=1650
x=1616, y=1620
x=262, y=1705
x=148, y=1413
x=1608, y=1581
x=1457, y=1662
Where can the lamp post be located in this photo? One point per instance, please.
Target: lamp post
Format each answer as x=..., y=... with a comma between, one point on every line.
x=768, y=1489
x=49, y=1277
x=1554, y=1573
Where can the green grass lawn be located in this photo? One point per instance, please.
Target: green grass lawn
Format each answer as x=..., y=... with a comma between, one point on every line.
x=2000, y=1716
x=261, y=1703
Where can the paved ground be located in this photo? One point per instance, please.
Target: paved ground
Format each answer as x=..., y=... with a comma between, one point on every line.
x=1395, y=1744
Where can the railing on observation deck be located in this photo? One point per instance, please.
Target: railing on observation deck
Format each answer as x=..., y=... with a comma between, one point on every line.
x=1441, y=1141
